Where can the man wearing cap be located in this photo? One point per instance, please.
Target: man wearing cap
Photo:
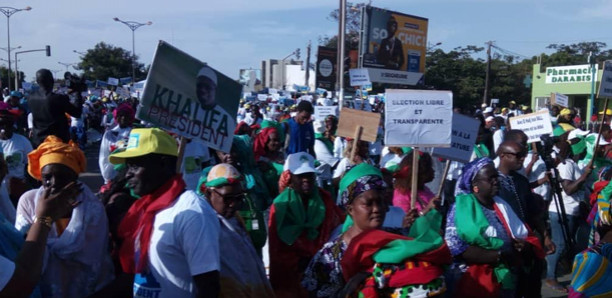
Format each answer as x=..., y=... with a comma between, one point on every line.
x=606, y=116
x=170, y=235
x=49, y=109
x=565, y=119
x=15, y=148
x=214, y=116
x=302, y=218
x=487, y=112
x=20, y=110
x=512, y=108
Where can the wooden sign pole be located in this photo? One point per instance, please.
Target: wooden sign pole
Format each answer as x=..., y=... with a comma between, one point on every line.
x=415, y=177
x=356, y=139
x=444, y=174
x=603, y=122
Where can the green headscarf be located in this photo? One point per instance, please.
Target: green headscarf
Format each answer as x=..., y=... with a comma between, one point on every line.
x=292, y=219
x=471, y=224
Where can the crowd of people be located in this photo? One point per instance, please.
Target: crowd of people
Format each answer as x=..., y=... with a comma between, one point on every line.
x=292, y=210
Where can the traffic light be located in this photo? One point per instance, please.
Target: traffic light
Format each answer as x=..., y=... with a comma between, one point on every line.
x=48, y=50
x=297, y=53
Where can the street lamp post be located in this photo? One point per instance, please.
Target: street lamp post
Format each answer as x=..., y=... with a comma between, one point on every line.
x=133, y=26
x=80, y=53
x=66, y=64
x=8, y=12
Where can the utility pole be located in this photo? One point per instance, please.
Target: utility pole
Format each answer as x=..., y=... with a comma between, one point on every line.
x=485, y=97
x=307, y=63
x=340, y=59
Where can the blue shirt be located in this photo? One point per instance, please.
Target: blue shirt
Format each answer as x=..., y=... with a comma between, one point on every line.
x=301, y=137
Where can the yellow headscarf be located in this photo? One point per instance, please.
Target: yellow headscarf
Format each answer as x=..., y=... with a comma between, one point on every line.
x=53, y=150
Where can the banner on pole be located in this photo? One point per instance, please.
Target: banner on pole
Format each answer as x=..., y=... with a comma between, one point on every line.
x=418, y=118
x=190, y=98
x=321, y=112
x=605, y=86
x=359, y=77
x=463, y=138
x=534, y=125
x=113, y=81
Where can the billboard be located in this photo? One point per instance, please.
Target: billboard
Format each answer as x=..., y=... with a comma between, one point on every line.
x=250, y=79
x=326, y=68
x=393, y=46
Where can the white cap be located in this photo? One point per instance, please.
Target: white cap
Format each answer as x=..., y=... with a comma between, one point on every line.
x=488, y=110
x=300, y=163
x=489, y=119
x=209, y=73
x=484, y=105
x=577, y=133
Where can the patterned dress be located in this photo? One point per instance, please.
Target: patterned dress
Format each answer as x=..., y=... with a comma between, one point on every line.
x=323, y=276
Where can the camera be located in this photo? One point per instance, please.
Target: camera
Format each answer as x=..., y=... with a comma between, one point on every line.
x=545, y=149
x=74, y=83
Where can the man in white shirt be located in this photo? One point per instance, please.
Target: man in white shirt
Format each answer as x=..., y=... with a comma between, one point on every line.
x=171, y=235
x=15, y=148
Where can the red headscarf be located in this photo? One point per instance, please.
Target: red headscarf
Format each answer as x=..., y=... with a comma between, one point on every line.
x=124, y=108
x=261, y=139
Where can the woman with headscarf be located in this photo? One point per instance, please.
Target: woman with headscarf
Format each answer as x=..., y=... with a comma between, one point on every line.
x=426, y=200
x=115, y=138
x=269, y=157
x=592, y=273
x=363, y=192
x=302, y=219
x=486, y=238
x=79, y=262
x=242, y=273
x=258, y=198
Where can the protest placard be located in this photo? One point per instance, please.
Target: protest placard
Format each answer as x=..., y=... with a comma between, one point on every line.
x=272, y=91
x=262, y=97
x=534, y=125
x=320, y=112
x=605, y=86
x=123, y=92
x=418, y=118
x=113, y=81
x=351, y=119
x=359, y=76
x=559, y=99
x=463, y=138
x=494, y=100
x=190, y=98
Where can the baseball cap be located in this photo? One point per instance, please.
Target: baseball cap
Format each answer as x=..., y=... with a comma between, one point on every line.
x=512, y=102
x=577, y=133
x=490, y=119
x=608, y=112
x=300, y=163
x=15, y=93
x=565, y=111
x=143, y=141
x=592, y=138
x=488, y=110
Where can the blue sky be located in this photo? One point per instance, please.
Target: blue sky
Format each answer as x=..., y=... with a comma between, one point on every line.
x=235, y=34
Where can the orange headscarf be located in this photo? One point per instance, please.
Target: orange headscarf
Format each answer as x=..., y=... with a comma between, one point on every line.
x=53, y=150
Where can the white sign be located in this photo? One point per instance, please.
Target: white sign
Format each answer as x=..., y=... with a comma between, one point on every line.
x=107, y=93
x=262, y=97
x=561, y=100
x=418, y=118
x=359, y=76
x=605, y=86
x=570, y=74
x=272, y=91
x=123, y=92
x=320, y=112
x=464, y=134
x=494, y=100
x=389, y=76
x=113, y=81
x=534, y=125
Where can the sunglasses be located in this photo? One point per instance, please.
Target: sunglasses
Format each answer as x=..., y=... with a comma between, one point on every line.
x=231, y=198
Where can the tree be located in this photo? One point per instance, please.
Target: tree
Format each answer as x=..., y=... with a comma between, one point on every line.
x=353, y=26
x=105, y=60
x=4, y=77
